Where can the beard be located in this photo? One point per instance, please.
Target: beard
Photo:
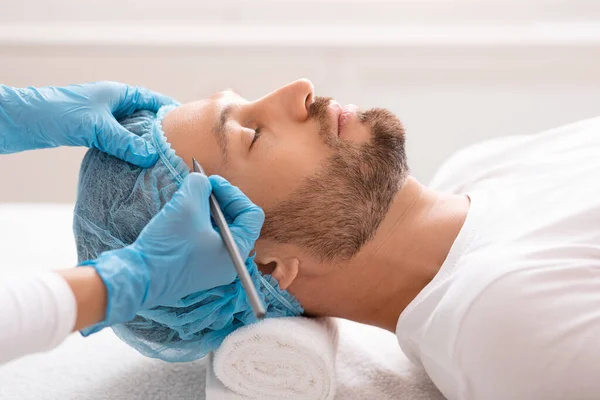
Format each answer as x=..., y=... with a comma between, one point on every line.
x=335, y=212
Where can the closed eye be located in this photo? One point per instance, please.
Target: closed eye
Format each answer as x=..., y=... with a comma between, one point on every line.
x=257, y=133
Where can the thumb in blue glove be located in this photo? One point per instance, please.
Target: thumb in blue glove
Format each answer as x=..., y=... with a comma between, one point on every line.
x=179, y=252
x=77, y=115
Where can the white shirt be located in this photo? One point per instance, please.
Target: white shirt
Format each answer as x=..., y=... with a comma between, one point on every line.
x=37, y=313
x=514, y=312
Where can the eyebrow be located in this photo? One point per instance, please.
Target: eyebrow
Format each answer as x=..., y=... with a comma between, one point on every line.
x=219, y=129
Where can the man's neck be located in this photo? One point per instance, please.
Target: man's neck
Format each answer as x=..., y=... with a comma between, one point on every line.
x=407, y=252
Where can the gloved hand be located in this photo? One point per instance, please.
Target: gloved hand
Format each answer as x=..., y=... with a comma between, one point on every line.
x=77, y=115
x=179, y=252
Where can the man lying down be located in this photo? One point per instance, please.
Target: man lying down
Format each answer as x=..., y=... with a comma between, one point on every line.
x=490, y=276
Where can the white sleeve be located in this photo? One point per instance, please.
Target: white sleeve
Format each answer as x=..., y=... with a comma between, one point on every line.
x=38, y=313
x=532, y=334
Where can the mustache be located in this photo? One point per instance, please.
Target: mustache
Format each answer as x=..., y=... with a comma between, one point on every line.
x=380, y=118
x=318, y=109
x=386, y=128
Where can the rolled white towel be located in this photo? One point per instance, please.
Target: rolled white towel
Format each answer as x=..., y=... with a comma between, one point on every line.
x=276, y=359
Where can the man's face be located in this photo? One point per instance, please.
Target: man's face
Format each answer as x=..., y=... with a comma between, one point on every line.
x=324, y=174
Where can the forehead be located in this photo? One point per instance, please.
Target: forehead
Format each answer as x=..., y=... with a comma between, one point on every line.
x=205, y=114
x=227, y=96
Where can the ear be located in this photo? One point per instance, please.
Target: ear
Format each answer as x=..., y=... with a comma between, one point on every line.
x=284, y=270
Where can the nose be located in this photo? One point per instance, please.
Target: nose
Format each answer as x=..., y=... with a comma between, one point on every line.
x=295, y=98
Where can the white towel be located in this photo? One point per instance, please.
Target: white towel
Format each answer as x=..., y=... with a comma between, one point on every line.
x=277, y=359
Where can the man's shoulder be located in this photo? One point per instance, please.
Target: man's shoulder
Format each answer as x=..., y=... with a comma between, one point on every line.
x=518, y=338
x=519, y=298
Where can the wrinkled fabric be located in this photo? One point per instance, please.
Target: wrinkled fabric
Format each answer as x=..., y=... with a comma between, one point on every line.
x=115, y=201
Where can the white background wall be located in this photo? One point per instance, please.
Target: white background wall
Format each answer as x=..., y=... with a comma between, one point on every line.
x=456, y=72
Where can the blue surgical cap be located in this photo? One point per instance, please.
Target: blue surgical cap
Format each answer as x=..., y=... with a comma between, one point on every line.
x=115, y=200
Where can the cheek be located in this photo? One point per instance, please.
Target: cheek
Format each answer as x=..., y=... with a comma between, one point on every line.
x=297, y=157
x=273, y=178
x=258, y=186
x=277, y=168
x=264, y=182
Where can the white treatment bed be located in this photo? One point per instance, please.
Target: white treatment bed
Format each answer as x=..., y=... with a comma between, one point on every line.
x=370, y=364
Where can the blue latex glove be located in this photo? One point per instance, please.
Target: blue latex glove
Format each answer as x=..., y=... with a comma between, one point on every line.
x=77, y=115
x=179, y=252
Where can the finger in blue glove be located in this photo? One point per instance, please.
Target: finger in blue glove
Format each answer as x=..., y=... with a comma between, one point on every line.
x=77, y=115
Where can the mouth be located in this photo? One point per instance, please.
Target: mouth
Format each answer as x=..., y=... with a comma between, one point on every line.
x=340, y=117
